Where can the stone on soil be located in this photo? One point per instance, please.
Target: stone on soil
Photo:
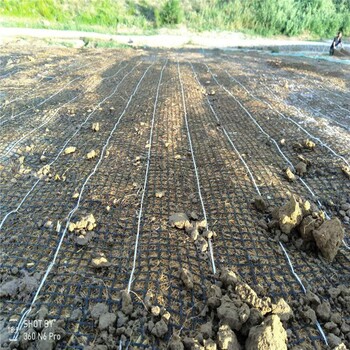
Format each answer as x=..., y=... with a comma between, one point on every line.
x=70, y=150
x=269, y=335
x=155, y=310
x=186, y=278
x=301, y=168
x=95, y=126
x=98, y=310
x=290, y=175
x=160, y=329
x=249, y=296
x=323, y=311
x=329, y=237
x=100, y=262
x=106, y=320
x=176, y=343
x=290, y=215
x=260, y=204
x=307, y=227
x=202, y=244
x=227, y=339
x=282, y=310
x=91, y=154
x=309, y=144
x=232, y=315
x=346, y=170
x=127, y=306
x=178, y=220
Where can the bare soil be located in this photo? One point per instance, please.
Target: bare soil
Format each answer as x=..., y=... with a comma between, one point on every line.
x=245, y=110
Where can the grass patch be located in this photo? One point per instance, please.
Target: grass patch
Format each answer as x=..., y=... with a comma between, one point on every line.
x=319, y=18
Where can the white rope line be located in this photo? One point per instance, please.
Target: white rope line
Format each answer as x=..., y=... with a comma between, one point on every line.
x=56, y=112
x=195, y=168
x=227, y=135
x=39, y=87
x=284, y=250
x=42, y=102
x=301, y=128
x=36, y=129
x=71, y=213
x=280, y=151
x=251, y=117
x=303, y=288
x=146, y=179
x=67, y=141
x=285, y=117
x=291, y=267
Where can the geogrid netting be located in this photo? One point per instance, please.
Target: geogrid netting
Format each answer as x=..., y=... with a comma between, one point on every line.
x=119, y=91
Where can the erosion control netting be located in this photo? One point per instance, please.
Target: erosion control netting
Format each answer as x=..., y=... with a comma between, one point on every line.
x=178, y=123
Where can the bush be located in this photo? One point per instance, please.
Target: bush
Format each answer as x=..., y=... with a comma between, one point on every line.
x=170, y=14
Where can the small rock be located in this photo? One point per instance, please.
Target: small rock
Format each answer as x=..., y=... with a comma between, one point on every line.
x=228, y=278
x=186, y=278
x=202, y=244
x=160, y=194
x=127, y=306
x=207, y=330
x=309, y=315
x=209, y=344
x=232, y=315
x=178, y=220
x=100, y=262
x=312, y=298
x=290, y=175
x=155, y=310
x=345, y=206
x=284, y=238
x=166, y=316
x=329, y=326
x=333, y=340
x=260, y=204
x=309, y=144
x=282, y=310
x=70, y=150
x=329, y=237
x=290, y=215
x=194, y=235
x=208, y=234
x=307, y=227
x=301, y=168
x=346, y=170
x=269, y=335
x=176, y=343
x=106, y=320
x=227, y=339
x=92, y=154
x=95, y=126
x=323, y=311
x=48, y=224
x=160, y=329
x=194, y=216
x=76, y=315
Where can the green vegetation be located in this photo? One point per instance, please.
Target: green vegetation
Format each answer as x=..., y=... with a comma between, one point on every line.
x=265, y=17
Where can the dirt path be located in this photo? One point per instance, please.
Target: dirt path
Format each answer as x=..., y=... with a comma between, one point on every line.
x=247, y=114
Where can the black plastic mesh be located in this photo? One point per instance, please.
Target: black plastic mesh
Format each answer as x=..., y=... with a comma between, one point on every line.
x=113, y=195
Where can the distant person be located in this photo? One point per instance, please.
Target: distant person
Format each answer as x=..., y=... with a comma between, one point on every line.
x=335, y=43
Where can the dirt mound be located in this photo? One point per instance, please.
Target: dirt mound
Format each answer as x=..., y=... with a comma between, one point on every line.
x=302, y=218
